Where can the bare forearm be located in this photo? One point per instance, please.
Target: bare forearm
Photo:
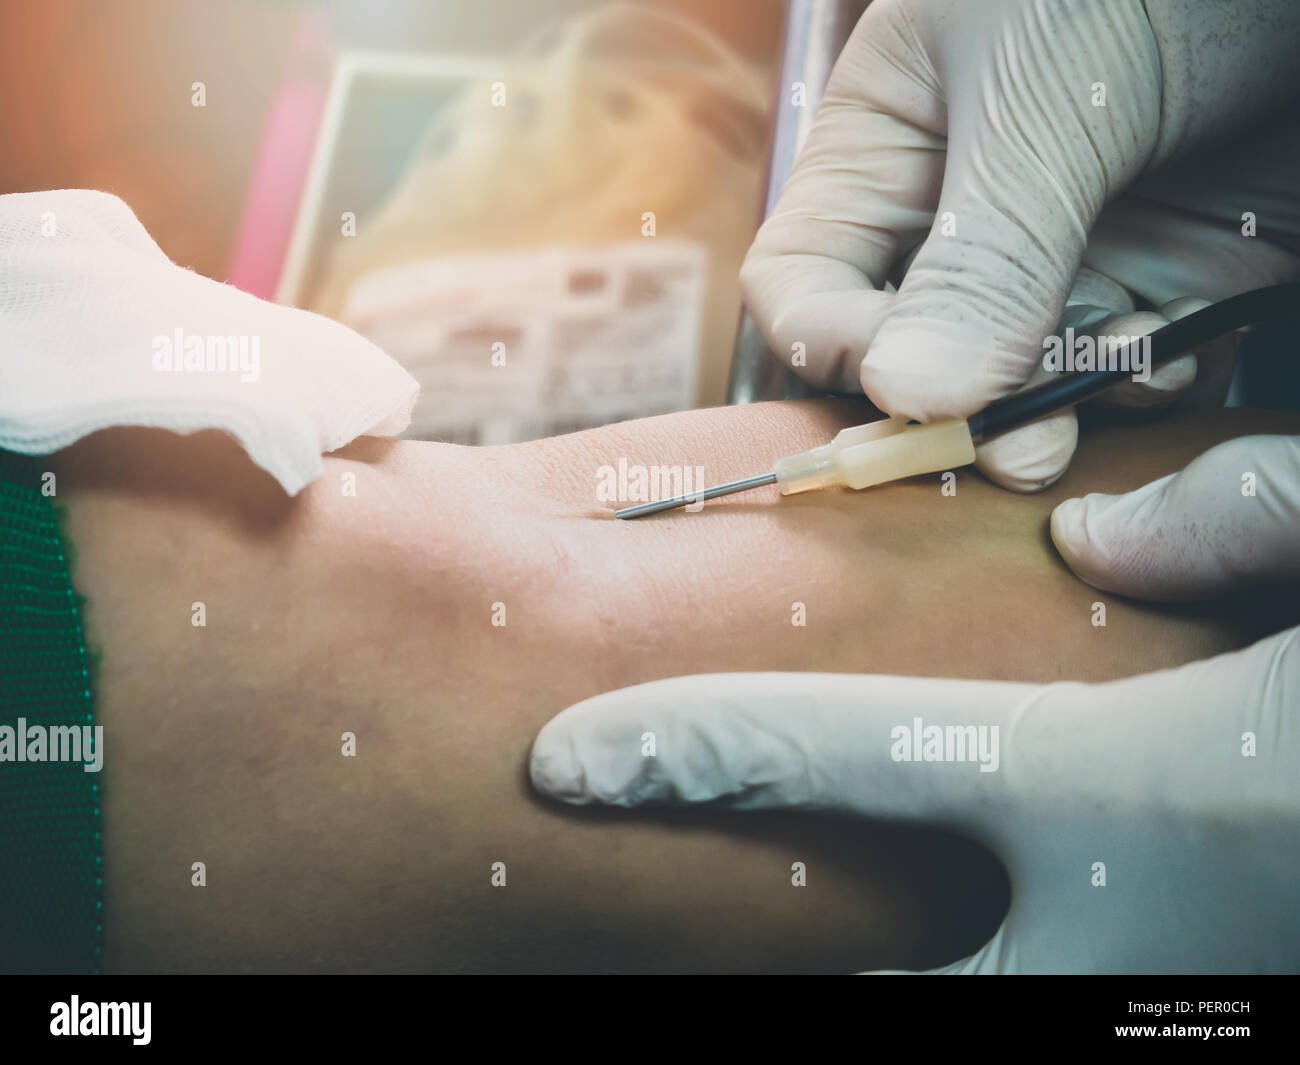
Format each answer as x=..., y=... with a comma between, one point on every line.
x=372, y=614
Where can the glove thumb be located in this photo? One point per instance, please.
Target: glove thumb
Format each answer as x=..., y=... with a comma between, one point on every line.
x=1230, y=519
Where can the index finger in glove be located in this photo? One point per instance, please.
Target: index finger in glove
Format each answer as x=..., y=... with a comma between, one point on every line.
x=769, y=740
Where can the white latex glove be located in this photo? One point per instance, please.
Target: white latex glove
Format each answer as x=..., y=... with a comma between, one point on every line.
x=1183, y=784
x=974, y=127
x=1229, y=521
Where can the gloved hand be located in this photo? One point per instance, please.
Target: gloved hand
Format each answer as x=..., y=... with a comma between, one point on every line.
x=1150, y=824
x=1008, y=130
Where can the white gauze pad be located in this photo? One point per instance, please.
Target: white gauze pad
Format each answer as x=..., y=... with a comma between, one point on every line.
x=98, y=328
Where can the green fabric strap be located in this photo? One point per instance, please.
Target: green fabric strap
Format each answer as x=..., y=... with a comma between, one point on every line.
x=51, y=861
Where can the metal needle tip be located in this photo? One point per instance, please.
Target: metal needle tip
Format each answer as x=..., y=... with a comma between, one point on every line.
x=642, y=509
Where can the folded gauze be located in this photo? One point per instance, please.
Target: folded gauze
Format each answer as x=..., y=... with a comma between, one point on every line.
x=99, y=328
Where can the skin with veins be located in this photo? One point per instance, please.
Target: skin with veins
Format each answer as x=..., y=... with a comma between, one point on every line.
x=373, y=614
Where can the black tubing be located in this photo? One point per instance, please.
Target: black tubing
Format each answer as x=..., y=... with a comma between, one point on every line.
x=1171, y=340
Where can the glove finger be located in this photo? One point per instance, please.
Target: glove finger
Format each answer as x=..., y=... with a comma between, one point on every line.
x=866, y=179
x=1216, y=359
x=1199, y=378
x=768, y=740
x=1035, y=456
x=1100, y=310
x=1229, y=519
x=1032, y=457
x=1093, y=297
x=1105, y=313
x=1146, y=386
x=821, y=317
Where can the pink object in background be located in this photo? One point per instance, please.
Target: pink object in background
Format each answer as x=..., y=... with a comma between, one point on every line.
x=283, y=160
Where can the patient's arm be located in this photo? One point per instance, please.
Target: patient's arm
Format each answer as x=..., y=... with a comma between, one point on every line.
x=373, y=614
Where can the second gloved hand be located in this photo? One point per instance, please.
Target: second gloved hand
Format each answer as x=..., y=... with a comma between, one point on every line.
x=1147, y=825
x=1150, y=824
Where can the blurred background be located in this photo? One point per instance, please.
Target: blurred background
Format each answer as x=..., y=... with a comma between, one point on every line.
x=538, y=206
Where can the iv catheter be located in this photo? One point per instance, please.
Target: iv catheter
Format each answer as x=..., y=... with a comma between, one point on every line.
x=892, y=448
